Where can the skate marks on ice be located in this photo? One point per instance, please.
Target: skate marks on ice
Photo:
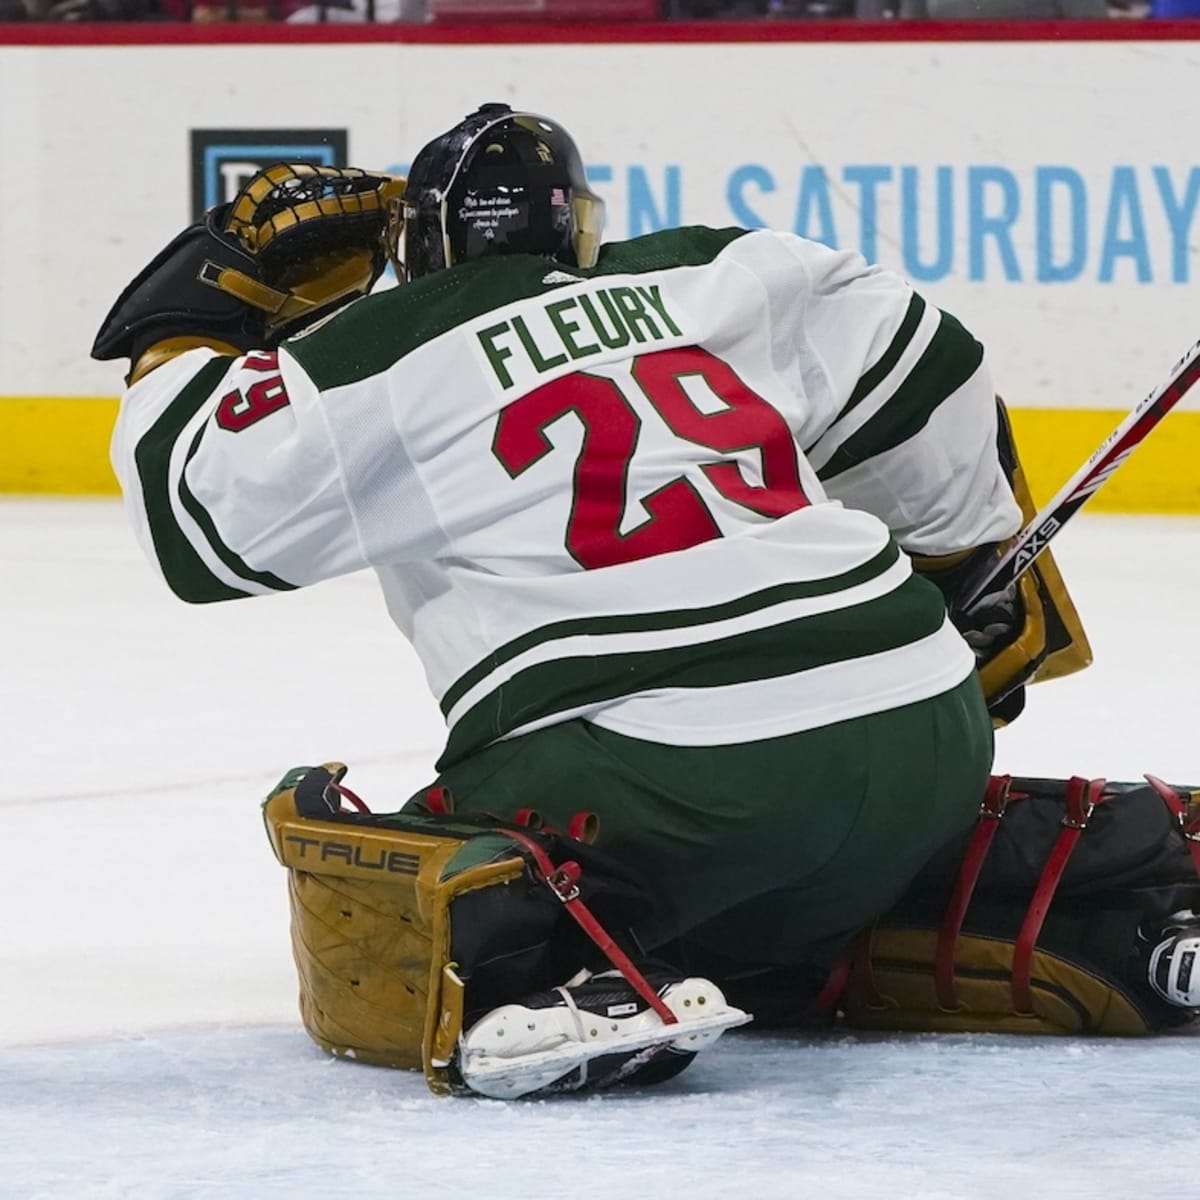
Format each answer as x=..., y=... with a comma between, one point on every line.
x=260, y=1113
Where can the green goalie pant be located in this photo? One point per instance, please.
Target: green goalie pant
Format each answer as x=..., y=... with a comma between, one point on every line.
x=769, y=852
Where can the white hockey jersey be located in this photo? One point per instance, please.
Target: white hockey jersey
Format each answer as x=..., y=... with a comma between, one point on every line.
x=667, y=494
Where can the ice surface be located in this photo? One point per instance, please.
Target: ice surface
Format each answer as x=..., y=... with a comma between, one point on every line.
x=149, y=1045
x=261, y=1113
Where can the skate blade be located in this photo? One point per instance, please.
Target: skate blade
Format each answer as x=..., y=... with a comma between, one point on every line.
x=507, y=1078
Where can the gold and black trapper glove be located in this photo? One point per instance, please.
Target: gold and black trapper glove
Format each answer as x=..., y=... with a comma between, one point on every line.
x=297, y=242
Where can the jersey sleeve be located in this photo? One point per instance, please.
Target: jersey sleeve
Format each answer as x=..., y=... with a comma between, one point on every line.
x=905, y=422
x=233, y=479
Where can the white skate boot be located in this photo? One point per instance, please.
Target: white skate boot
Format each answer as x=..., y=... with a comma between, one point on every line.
x=592, y=1034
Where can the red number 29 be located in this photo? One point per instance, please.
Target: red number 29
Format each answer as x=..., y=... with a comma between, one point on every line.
x=678, y=515
x=244, y=407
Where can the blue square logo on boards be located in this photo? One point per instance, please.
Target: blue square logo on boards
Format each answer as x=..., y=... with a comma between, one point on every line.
x=223, y=160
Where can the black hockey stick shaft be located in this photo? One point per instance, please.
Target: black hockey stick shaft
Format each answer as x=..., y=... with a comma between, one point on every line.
x=1088, y=480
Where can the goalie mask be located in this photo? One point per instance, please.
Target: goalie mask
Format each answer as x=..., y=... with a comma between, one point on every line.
x=500, y=182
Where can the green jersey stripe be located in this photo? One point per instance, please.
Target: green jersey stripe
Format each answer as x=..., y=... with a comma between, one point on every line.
x=679, y=618
x=200, y=515
x=910, y=612
x=371, y=336
x=185, y=571
x=875, y=375
x=950, y=359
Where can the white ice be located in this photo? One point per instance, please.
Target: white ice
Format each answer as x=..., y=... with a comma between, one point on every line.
x=149, y=1043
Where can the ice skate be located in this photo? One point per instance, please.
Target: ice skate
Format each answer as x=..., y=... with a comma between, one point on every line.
x=592, y=1034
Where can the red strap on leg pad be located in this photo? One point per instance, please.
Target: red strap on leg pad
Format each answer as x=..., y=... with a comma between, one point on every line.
x=1082, y=797
x=995, y=800
x=563, y=881
x=1191, y=829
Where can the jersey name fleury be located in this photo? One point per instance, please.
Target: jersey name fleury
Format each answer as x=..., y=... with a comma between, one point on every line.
x=573, y=329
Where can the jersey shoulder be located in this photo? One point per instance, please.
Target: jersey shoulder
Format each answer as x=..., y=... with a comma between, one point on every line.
x=371, y=335
x=687, y=246
x=778, y=258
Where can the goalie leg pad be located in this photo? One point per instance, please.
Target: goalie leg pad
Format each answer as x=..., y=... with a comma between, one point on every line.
x=371, y=930
x=1043, y=935
x=407, y=927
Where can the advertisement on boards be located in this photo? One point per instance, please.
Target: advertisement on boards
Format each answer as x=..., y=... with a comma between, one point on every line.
x=1034, y=190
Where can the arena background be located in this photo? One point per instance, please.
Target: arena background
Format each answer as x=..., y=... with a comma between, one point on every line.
x=1030, y=182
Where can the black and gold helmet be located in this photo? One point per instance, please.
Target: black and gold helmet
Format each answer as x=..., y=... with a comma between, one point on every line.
x=499, y=182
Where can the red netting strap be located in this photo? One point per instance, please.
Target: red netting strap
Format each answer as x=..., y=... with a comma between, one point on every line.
x=563, y=881
x=826, y=1000
x=995, y=800
x=584, y=827
x=1191, y=829
x=439, y=801
x=346, y=794
x=1082, y=797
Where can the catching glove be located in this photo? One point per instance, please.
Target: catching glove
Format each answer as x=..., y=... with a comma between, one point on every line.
x=297, y=242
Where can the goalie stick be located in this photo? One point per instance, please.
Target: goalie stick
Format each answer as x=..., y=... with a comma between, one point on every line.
x=1088, y=480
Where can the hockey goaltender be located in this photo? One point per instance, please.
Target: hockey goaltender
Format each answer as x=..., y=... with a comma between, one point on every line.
x=680, y=528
